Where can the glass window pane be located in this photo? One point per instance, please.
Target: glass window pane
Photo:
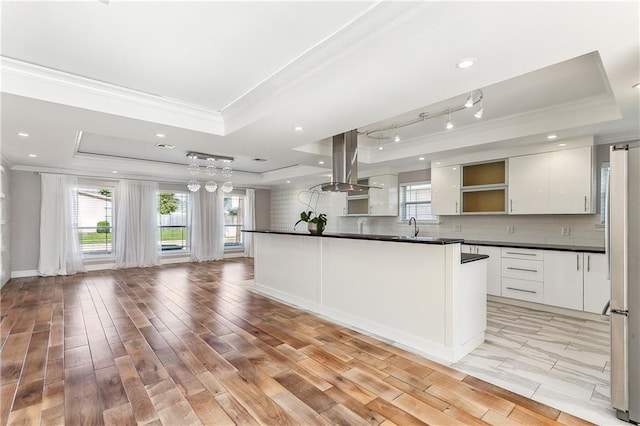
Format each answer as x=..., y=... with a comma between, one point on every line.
x=172, y=220
x=233, y=216
x=415, y=201
x=93, y=220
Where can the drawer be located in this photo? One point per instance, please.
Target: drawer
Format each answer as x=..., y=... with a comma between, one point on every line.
x=532, y=270
x=531, y=291
x=516, y=253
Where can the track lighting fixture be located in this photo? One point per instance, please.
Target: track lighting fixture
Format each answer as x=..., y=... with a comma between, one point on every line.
x=469, y=102
x=479, y=112
x=474, y=98
x=449, y=125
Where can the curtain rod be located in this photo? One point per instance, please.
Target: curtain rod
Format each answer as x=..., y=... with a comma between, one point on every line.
x=138, y=179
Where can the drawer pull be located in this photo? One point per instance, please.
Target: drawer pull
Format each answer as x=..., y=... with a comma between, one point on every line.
x=522, y=269
x=521, y=289
x=522, y=254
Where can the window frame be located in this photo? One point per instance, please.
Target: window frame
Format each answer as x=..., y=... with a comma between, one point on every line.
x=186, y=249
x=95, y=185
x=402, y=205
x=240, y=247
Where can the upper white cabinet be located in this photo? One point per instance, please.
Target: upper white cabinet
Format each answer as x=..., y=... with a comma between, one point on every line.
x=570, y=181
x=558, y=182
x=384, y=201
x=528, y=184
x=379, y=201
x=445, y=190
x=563, y=275
x=597, y=287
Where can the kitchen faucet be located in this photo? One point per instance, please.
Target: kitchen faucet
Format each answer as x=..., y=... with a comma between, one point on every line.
x=415, y=226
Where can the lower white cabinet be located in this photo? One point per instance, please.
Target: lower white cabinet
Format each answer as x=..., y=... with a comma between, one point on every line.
x=597, y=287
x=563, y=279
x=493, y=265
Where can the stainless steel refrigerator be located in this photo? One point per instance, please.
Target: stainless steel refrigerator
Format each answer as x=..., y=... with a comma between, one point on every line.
x=623, y=238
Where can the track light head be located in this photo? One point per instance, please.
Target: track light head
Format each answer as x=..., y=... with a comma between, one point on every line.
x=469, y=102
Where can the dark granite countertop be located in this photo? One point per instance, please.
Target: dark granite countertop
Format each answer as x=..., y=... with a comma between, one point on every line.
x=539, y=246
x=391, y=238
x=467, y=257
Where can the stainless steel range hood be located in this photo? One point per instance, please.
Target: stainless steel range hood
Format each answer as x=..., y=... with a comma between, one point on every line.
x=345, y=164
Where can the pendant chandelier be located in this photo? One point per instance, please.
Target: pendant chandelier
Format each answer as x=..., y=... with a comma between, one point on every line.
x=210, y=170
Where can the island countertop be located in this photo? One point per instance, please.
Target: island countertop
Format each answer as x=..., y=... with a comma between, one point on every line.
x=392, y=238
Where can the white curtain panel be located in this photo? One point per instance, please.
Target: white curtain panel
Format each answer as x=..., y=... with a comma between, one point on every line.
x=249, y=221
x=59, y=245
x=206, y=225
x=136, y=225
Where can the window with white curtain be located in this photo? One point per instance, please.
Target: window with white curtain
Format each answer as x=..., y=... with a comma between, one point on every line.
x=172, y=221
x=233, y=221
x=93, y=221
x=415, y=201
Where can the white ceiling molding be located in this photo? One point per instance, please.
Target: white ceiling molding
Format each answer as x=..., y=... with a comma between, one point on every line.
x=33, y=81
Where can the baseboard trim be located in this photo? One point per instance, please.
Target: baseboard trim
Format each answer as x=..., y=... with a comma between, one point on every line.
x=548, y=308
x=25, y=273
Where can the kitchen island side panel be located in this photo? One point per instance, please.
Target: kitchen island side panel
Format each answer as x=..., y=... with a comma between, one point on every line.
x=398, y=287
x=288, y=267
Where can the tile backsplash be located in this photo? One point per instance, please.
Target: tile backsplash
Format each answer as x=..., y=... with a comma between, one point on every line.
x=583, y=230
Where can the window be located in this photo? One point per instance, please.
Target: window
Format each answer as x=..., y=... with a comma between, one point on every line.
x=233, y=216
x=93, y=220
x=415, y=201
x=172, y=221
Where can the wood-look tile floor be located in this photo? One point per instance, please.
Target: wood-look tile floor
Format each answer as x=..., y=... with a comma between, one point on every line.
x=191, y=344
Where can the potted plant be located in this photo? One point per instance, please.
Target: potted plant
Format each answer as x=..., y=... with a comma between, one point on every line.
x=316, y=223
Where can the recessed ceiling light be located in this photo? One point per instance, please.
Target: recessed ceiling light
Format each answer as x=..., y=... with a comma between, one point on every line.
x=23, y=134
x=298, y=128
x=165, y=145
x=380, y=147
x=636, y=86
x=466, y=63
x=552, y=136
x=160, y=135
x=288, y=181
x=562, y=144
x=320, y=162
x=114, y=172
x=33, y=155
x=421, y=158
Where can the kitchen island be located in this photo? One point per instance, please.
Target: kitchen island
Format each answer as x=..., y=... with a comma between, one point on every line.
x=418, y=292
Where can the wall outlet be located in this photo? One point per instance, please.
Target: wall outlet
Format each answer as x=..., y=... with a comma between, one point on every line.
x=457, y=228
x=565, y=231
x=510, y=229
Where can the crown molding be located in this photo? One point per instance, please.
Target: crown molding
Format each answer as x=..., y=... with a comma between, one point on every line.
x=46, y=84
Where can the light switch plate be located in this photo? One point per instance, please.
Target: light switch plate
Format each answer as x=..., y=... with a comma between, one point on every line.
x=565, y=231
x=457, y=228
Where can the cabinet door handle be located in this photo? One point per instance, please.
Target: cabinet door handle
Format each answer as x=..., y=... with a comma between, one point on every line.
x=456, y=207
x=522, y=290
x=477, y=250
x=522, y=254
x=522, y=269
x=577, y=262
x=588, y=263
x=510, y=205
x=585, y=203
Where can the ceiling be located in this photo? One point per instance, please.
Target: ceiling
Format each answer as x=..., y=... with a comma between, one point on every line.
x=93, y=82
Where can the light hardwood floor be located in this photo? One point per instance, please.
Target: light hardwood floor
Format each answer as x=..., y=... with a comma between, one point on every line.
x=191, y=344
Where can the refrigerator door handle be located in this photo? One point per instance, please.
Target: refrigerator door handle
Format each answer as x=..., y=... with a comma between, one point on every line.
x=607, y=225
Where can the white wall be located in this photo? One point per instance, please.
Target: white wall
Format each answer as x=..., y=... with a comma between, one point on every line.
x=5, y=224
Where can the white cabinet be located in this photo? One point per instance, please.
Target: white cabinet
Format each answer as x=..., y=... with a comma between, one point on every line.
x=379, y=201
x=570, y=181
x=597, y=287
x=528, y=184
x=558, y=182
x=445, y=190
x=563, y=279
x=383, y=202
x=493, y=265
x=522, y=274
